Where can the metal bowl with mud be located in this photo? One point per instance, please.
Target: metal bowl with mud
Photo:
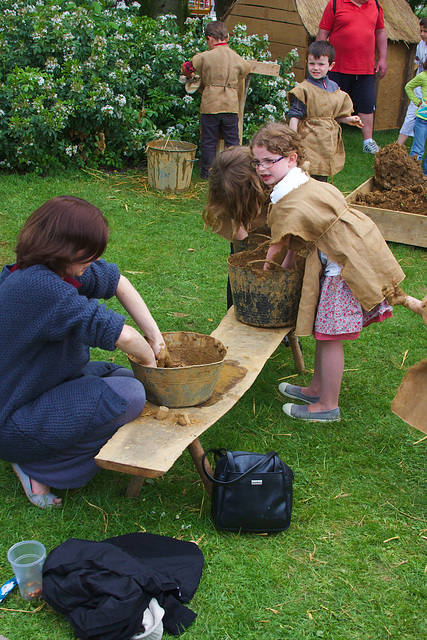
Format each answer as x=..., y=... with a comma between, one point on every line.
x=189, y=377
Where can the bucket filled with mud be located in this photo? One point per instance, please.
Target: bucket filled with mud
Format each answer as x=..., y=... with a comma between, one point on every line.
x=251, y=242
x=265, y=298
x=191, y=372
x=170, y=164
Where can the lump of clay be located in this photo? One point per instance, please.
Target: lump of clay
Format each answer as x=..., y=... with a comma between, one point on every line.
x=183, y=418
x=162, y=413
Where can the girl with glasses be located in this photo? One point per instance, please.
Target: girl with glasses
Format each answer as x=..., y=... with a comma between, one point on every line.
x=347, y=264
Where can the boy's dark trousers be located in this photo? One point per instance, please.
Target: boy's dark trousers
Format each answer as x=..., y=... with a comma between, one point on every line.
x=210, y=125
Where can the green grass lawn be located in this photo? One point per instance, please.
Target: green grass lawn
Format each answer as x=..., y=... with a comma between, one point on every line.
x=353, y=565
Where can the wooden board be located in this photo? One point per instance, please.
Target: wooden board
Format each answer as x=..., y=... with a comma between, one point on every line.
x=296, y=35
x=265, y=68
x=243, y=13
x=395, y=226
x=149, y=447
x=288, y=5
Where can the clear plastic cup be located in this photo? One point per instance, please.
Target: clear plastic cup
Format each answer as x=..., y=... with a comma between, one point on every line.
x=26, y=559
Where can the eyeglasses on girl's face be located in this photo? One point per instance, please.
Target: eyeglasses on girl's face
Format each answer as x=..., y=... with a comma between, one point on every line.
x=265, y=163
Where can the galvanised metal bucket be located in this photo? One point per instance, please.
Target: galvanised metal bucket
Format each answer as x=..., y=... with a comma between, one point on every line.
x=170, y=164
x=192, y=382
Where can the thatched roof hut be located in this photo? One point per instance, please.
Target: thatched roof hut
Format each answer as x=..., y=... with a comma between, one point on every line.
x=294, y=24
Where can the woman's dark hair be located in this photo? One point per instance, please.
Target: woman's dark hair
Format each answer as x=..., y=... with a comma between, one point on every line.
x=235, y=190
x=59, y=230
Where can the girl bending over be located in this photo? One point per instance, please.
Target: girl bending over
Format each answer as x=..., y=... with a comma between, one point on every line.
x=347, y=263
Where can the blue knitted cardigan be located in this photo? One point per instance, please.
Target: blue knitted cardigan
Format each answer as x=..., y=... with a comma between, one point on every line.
x=46, y=329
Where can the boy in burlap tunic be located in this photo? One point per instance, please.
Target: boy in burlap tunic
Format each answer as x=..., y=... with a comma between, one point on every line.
x=317, y=107
x=221, y=70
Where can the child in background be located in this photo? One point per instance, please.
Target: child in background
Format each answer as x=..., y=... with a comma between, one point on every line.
x=57, y=409
x=221, y=71
x=420, y=124
x=317, y=106
x=420, y=57
x=410, y=402
x=347, y=263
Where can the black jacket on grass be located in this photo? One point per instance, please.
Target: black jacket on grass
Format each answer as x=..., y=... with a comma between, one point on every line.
x=104, y=587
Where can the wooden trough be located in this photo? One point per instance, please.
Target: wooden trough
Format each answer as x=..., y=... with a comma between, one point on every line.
x=395, y=226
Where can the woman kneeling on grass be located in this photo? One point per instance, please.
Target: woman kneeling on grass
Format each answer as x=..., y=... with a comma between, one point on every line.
x=57, y=409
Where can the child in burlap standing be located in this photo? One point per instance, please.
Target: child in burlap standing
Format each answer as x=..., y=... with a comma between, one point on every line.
x=347, y=263
x=221, y=71
x=317, y=108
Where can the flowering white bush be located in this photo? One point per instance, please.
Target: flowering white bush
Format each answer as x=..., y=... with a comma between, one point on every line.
x=88, y=84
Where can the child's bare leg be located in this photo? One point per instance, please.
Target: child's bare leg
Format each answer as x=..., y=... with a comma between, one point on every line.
x=327, y=377
x=315, y=385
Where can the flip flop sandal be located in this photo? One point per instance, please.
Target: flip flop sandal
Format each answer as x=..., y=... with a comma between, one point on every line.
x=41, y=501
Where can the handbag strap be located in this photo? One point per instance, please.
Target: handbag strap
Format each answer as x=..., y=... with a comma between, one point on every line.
x=221, y=452
x=232, y=461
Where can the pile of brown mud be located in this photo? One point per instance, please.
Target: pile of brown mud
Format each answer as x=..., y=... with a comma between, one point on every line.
x=186, y=349
x=255, y=260
x=400, y=184
x=187, y=356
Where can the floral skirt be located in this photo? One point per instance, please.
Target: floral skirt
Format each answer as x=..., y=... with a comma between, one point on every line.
x=340, y=315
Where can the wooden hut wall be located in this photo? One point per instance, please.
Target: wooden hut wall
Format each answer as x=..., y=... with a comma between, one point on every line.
x=391, y=96
x=280, y=20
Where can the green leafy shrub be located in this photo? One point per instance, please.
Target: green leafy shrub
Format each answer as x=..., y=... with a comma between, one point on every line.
x=87, y=84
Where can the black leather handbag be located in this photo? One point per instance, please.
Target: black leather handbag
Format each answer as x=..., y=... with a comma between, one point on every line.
x=251, y=492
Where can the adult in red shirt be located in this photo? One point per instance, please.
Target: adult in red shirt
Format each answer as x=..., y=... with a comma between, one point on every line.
x=355, y=28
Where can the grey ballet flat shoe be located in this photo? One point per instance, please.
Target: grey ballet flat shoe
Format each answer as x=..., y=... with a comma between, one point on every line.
x=290, y=391
x=301, y=412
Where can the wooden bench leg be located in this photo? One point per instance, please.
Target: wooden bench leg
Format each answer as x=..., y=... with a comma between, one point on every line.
x=196, y=452
x=296, y=352
x=134, y=486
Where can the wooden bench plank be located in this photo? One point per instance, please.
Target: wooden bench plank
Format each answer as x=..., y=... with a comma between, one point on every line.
x=149, y=447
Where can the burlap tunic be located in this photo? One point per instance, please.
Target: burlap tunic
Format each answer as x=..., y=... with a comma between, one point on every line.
x=221, y=70
x=319, y=130
x=317, y=216
x=410, y=402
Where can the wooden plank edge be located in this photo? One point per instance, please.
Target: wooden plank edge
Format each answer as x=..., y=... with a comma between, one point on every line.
x=127, y=468
x=365, y=187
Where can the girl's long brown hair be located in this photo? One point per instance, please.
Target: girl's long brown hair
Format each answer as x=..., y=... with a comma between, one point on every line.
x=235, y=190
x=59, y=230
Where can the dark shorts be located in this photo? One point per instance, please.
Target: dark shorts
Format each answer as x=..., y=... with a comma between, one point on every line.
x=360, y=88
